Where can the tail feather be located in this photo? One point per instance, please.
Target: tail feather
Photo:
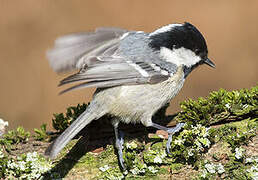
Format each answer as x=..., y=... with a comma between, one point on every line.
x=84, y=119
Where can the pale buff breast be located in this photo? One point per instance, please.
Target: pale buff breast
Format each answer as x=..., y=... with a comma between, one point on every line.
x=135, y=101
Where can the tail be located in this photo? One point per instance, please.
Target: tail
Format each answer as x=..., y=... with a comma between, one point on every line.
x=84, y=119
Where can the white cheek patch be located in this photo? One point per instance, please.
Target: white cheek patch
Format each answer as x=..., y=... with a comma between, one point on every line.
x=180, y=56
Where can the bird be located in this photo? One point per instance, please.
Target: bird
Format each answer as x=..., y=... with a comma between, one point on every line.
x=135, y=73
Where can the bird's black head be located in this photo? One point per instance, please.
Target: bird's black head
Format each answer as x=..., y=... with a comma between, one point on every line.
x=181, y=44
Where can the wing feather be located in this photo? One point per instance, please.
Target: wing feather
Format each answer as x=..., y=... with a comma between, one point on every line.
x=113, y=71
x=70, y=49
x=105, y=83
x=95, y=54
x=103, y=71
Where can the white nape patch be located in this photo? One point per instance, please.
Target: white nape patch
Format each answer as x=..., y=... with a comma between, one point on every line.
x=165, y=29
x=124, y=35
x=180, y=56
x=138, y=68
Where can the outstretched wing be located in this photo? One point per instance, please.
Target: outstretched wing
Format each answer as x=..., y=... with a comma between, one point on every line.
x=100, y=66
x=70, y=51
x=114, y=71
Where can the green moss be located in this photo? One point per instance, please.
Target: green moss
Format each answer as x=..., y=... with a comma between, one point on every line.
x=14, y=137
x=41, y=133
x=238, y=165
x=220, y=105
x=238, y=133
x=235, y=168
x=60, y=121
x=175, y=167
x=17, y=136
x=24, y=166
x=111, y=173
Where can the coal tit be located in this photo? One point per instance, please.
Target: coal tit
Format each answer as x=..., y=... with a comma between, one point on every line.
x=136, y=73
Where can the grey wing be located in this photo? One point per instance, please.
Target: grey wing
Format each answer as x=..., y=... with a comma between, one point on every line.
x=114, y=71
x=71, y=51
x=95, y=54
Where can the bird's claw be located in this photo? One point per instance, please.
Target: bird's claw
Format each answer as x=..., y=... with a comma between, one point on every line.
x=168, y=145
x=119, y=146
x=121, y=159
x=175, y=129
x=171, y=131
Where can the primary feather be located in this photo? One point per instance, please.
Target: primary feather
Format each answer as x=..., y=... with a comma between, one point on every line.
x=113, y=72
x=70, y=49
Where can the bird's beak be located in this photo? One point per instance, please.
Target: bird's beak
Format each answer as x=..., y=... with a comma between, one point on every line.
x=209, y=62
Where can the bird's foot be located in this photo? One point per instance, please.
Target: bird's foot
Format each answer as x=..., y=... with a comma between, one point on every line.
x=171, y=131
x=119, y=146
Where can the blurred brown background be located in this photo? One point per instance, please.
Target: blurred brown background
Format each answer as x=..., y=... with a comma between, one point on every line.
x=28, y=90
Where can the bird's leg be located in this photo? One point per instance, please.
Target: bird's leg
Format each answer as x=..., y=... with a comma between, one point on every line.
x=170, y=131
x=119, y=135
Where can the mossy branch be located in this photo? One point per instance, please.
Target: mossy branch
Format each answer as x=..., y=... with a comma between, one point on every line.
x=219, y=107
x=206, y=152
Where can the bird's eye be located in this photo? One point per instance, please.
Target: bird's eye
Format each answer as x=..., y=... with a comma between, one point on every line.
x=197, y=51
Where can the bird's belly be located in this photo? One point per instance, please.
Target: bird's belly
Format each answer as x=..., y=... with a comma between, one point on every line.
x=135, y=101
x=132, y=103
